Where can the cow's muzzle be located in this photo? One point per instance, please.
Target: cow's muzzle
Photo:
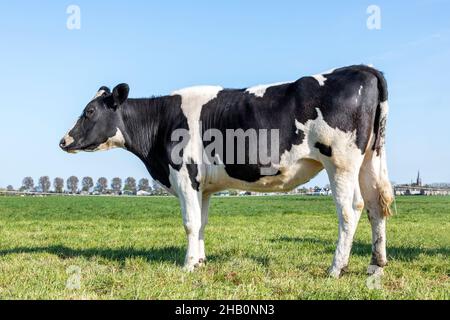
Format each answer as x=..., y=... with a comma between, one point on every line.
x=62, y=144
x=66, y=143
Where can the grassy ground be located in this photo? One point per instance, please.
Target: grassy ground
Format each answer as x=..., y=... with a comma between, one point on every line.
x=258, y=248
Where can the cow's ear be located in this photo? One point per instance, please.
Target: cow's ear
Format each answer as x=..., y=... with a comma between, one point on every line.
x=120, y=94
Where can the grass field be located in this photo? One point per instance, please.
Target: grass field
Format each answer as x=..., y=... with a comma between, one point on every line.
x=258, y=248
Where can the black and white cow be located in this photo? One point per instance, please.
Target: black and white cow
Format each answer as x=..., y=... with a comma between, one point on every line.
x=333, y=121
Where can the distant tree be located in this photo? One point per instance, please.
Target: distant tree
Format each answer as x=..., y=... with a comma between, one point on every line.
x=10, y=188
x=144, y=185
x=102, y=185
x=116, y=185
x=44, y=184
x=86, y=184
x=58, y=185
x=130, y=185
x=72, y=184
x=28, y=184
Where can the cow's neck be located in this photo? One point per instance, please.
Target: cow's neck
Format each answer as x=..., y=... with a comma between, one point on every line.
x=147, y=125
x=139, y=125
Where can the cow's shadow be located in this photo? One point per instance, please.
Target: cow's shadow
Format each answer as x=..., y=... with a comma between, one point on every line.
x=171, y=254
x=175, y=254
x=400, y=253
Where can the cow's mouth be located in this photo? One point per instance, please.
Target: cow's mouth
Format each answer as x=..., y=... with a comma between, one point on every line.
x=89, y=148
x=72, y=148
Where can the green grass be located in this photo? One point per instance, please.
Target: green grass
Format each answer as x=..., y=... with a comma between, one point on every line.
x=258, y=248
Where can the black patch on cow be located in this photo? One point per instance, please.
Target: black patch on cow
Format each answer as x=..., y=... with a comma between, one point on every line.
x=345, y=109
x=325, y=150
x=149, y=124
x=192, y=169
x=376, y=128
x=237, y=109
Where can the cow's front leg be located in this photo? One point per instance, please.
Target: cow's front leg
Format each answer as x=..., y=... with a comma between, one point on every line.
x=191, y=211
x=191, y=203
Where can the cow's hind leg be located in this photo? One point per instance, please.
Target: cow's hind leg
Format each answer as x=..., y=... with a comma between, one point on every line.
x=347, y=196
x=204, y=219
x=377, y=193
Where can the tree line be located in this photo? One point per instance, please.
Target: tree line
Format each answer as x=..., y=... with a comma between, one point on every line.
x=72, y=185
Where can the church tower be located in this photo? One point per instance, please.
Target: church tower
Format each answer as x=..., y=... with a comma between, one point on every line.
x=419, y=179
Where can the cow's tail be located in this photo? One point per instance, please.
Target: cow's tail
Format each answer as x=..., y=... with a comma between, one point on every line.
x=386, y=194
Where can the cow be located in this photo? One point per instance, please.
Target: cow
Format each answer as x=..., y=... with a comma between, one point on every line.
x=334, y=121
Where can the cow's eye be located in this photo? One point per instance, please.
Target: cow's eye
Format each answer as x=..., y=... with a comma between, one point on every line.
x=90, y=112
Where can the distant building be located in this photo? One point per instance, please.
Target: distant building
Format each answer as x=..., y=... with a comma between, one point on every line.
x=318, y=191
x=143, y=193
x=418, y=188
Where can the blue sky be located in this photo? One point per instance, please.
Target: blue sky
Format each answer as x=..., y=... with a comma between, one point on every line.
x=48, y=73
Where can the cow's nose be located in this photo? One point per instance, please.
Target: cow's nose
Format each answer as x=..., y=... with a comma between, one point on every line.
x=62, y=143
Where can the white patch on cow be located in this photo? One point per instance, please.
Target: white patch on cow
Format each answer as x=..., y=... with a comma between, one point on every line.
x=116, y=141
x=320, y=77
x=260, y=90
x=293, y=163
x=192, y=101
x=343, y=143
x=359, y=93
x=68, y=140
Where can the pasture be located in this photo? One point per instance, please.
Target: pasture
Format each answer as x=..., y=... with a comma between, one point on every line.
x=258, y=248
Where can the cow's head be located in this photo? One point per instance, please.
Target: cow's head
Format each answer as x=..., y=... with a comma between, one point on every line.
x=98, y=126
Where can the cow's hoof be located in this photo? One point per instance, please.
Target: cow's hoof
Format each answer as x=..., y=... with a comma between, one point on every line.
x=334, y=273
x=375, y=270
x=190, y=267
x=191, y=264
x=201, y=262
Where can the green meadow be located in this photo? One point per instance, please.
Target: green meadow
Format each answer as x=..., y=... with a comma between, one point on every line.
x=276, y=247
